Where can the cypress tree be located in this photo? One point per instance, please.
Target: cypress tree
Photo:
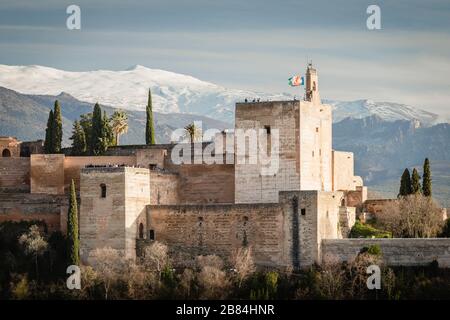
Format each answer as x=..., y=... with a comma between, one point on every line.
x=78, y=140
x=426, y=183
x=96, y=132
x=415, y=182
x=48, y=143
x=57, y=128
x=149, y=126
x=405, y=183
x=72, y=228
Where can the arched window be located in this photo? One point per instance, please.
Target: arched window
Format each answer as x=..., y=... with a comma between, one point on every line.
x=343, y=202
x=141, y=231
x=6, y=153
x=103, y=190
x=314, y=86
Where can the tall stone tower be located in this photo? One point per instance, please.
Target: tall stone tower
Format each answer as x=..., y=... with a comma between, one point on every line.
x=113, y=209
x=312, y=85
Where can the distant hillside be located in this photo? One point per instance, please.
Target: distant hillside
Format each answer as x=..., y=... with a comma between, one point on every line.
x=383, y=149
x=25, y=116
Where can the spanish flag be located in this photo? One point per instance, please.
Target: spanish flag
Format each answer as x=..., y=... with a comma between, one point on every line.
x=296, y=81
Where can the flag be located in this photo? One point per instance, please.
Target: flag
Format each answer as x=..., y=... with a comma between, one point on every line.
x=296, y=81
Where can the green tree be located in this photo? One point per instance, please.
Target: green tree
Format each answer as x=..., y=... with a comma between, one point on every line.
x=73, y=254
x=108, y=138
x=193, y=133
x=119, y=124
x=405, y=183
x=426, y=183
x=57, y=128
x=48, y=143
x=86, y=124
x=415, y=182
x=97, y=133
x=149, y=125
x=78, y=140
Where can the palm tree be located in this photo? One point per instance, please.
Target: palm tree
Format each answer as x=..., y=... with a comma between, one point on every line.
x=119, y=124
x=193, y=132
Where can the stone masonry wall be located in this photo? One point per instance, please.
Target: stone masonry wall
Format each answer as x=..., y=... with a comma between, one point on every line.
x=29, y=207
x=250, y=185
x=14, y=174
x=219, y=229
x=164, y=187
x=73, y=166
x=396, y=252
x=102, y=220
x=47, y=173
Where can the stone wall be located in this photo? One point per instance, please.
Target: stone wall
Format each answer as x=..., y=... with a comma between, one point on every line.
x=286, y=234
x=221, y=228
x=113, y=220
x=304, y=156
x=206, y=183
x=47, y=173
x=28, y=207
x=14, y=174
x=164, y=187
x=102, y=220
x=73, y=166
x=396, y=252
x=343, y=172
x=250, y=185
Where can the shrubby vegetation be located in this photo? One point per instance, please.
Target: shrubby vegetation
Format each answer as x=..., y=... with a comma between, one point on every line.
x=360, y=230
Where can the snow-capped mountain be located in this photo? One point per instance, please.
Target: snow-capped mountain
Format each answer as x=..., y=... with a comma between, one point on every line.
x=177, y=93
x=388, y=111
x=171, y=92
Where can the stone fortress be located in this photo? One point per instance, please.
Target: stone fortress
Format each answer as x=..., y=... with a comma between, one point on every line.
x=133, y=195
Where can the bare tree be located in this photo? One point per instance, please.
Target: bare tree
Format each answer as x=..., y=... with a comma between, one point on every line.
x=213, y=283
x=413, y=216
x=34, y=243
x=186, y=282
x=156, y=256
x=109, y=265
x=241, y=261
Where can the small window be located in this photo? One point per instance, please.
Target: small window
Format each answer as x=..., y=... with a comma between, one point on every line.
x=151, y=234
x=6, y=153
x=303, y=211
x=317, y=129
x=103, y=190
x=141, y=231
x=267, y=128
x=313, y=153
x=152, y=166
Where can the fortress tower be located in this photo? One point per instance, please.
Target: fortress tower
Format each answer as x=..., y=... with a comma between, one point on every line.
x=312, y=85
x=304, y=157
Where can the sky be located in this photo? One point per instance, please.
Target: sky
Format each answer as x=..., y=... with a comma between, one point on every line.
x=250, y=44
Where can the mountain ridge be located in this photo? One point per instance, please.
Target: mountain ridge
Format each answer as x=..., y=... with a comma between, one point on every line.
x=177, y=93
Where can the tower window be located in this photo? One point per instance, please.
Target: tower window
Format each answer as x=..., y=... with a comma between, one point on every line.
x=314, y=86
x=317, y=129
x=303, y=211
x=103, y=190
x=151, y=234
x=6, y=153
x=267, y=128
x=313, y=153
x=141, y=231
